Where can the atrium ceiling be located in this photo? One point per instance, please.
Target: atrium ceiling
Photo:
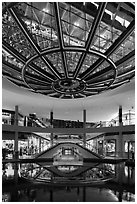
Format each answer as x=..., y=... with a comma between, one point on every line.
x=67, y=57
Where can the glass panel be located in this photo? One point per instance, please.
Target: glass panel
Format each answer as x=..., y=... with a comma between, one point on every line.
x=40, y=63
x=126, y=66
x=125, y=48
x=109, y=75
x=10, y=59
x=75, y=25
x=126, y=77
x=56, y=60
x=89, y=60
x=12, y=74
x=101, y=67
x=72, y=61
x=40, y=21
x=14, y=37
x=115, y=20
x=104, y=37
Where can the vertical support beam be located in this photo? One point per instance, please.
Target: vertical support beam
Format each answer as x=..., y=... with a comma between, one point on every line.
x=129, y=117
x=128, y=150
x=119, y=143
x=78, y=194
x=51, y=123
x=51, y=195
x=40, y=145
x=120, y=115
x=120, y=174
x=84, y=194
x=84, y=126
x=16, y=134
x=16, y=173
x=25, y=121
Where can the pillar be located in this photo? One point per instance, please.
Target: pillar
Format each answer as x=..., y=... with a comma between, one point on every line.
x=84, y=194
x=25, y=121
x=129, y=117
x=16, y=173
x=51, y=123
x=51, y=195
x=120, y=115
x=39, y=145
x=128, y=149
x=120, y=175
x=84, y=126
x=16, y=134
x=119, y=144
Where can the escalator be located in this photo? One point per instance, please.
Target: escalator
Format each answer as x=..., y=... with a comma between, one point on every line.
x=37, y=122
x=34, y=121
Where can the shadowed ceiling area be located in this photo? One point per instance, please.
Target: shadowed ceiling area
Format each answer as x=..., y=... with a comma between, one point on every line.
x=67, y=57
x=101, y=107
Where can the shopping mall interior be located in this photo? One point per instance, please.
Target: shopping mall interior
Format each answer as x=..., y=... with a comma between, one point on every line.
x=68, y=102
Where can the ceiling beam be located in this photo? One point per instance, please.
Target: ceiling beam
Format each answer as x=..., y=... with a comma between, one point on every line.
x=21, y=58
x=60, y=36
x=125, y=58
x=13, y=52
x=29, y=37
x=28, y=75
x=95, y=24
x=100, y=82
x=111, y=50
x=99, y=74
x=91, y=35
x=108, y=69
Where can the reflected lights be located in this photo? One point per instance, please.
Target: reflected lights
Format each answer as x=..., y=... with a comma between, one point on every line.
x=76, y=24
x=45, y=10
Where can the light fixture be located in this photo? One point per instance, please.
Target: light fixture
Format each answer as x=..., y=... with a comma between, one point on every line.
x=76, y=23
x=45, y=10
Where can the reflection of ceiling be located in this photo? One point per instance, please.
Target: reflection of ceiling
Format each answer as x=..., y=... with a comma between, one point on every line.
x=68, y=50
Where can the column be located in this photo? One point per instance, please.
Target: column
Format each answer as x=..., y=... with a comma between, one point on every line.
x=120, y=115
x=84, y=194
x=16, y=173
x=84, y=126
x=51, y=123
x=128, y=149
x=78, y=194
x=129, y=117
x=16, y=134
x=39, y=145
x=119, y=147
x=51, y=195
x=25, y=121
x=120, y=175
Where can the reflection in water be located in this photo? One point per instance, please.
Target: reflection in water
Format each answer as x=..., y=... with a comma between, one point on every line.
x=97, y=182
x=66, y=173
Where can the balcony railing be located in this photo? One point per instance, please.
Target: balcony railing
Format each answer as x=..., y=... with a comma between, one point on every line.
x=40, y=123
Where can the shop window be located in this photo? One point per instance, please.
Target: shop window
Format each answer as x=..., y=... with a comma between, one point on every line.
x=131, y=146
x=110, y=147
x=67, y=151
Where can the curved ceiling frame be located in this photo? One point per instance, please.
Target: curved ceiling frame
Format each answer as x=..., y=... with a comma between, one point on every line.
x=83, y=50
x=56, y=76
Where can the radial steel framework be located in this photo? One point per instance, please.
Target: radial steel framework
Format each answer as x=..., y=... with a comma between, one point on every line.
x=68, y=50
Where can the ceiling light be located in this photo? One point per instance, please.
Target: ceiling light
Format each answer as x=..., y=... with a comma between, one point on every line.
x=45, y=10
x=76, y=24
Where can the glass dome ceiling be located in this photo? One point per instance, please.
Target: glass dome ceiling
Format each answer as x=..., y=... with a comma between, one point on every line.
x=68, y=50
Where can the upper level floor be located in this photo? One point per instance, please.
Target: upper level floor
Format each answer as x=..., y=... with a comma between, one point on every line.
x=32, y=120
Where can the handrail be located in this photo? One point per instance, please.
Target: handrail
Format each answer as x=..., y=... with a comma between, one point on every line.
x=33, y=122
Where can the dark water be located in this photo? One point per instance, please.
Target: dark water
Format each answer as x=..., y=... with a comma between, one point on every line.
x=68, y=183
